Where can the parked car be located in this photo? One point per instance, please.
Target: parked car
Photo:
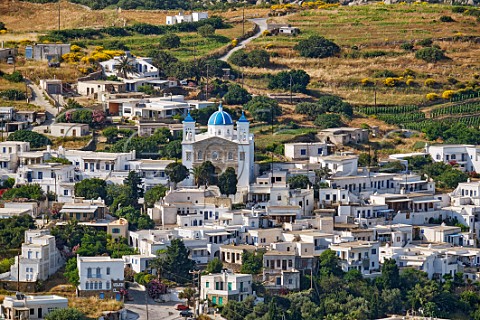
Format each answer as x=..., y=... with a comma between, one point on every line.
x=180, y=306
x=186, y=313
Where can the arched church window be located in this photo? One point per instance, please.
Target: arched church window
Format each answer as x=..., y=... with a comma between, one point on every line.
x=200, y=155
x=230, y=155
x=219, y=132
x=214, y=155
x=228, y=131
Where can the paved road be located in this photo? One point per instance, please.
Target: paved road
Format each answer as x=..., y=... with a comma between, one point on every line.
x=38, y=99
x=261, y=23
x=137, y=309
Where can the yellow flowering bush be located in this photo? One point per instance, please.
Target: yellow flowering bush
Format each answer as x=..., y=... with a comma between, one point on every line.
x=448, y=94
x=410, y=82
x=234, y=42
x=266, y=33
x=430, y=82
x=392, y=82
x=72, y=57
x=87, y=60
x=366, y=82
x=432, y=96
x=75, y=48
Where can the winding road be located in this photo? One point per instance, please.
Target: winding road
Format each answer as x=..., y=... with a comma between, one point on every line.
x=261, y=23
x=38, y=99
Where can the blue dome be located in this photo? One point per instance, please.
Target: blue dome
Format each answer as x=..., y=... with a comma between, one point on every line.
x=220, y=118
x=188, y=118
x=243, y=118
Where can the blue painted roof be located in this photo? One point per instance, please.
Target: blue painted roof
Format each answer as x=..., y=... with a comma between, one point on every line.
x=220, y=118
x=243, y=118
x=189, y=118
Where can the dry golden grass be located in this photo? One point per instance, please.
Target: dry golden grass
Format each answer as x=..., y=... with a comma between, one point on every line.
x=45, y=17
x=92, y=307
x=374, y=27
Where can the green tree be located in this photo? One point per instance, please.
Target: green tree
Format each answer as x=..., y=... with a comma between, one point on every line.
x=72, y=104
x=252, y=262
x=173, y=150
x=9, y=183
x=227, y=182
x=430, y=54
x=31, y=191
x=317, y=47
x=263, y=109
x=335, y=105
x=36, y=140
x=111, y=134
x=91, y=188
x=169, y=41
x=176, y=172
x=258, y=58
x=175, y=263
x=214, y=266
x=71, y=272
x=154, y=194
x=296, y=80
x=329, y=263
x=390, y=278
x=63, y=314
x=206, y=30
x=207, y=173
x=135, y=184
x=12, y=232
x=125, y=66
x=236, y=95
x=328, y=120
x=298, y=182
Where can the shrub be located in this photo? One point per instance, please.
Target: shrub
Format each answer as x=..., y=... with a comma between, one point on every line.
x=448, y=94
x=2, y=26
x=430, y=54
x=392, y=82
x=430, y=83
x=12, y=94
x=234, y=42
x=446, y=19
x=432, y=96
x=236, y=95
x=452, y=80
x=425, y=42
x=75, y=48
x=410, y=82
x=256, y=58
x=317, y=47
x=15, y=76
x=169, y=41
x=407, y=46
x=366, y=82
x=36, y=140
x=409, y=73
x=328, y=120
x=299, y=80
x=206, y=30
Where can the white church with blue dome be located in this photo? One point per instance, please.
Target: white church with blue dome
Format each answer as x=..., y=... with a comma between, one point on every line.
x=224, y=144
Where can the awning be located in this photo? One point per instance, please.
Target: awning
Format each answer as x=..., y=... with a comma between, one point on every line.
x=426, y=201
x=415, y=263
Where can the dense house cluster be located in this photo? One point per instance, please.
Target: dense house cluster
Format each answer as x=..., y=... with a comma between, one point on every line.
x=364, y=216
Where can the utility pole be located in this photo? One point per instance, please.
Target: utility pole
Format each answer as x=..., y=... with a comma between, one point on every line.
x=196, y=283
x=243, y=21
x=206, y=89
x=291, y=96
x=58, y=15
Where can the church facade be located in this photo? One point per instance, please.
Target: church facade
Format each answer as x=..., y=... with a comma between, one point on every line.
x=224, y=144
